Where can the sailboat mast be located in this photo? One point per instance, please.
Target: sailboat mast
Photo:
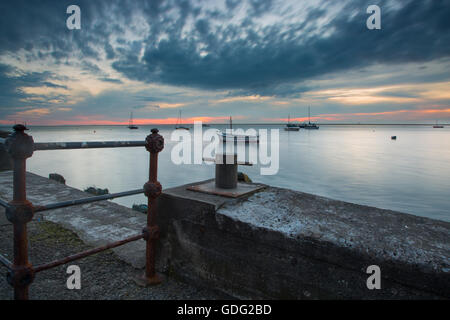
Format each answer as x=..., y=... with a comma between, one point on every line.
x=231, y=123
x=309, y=114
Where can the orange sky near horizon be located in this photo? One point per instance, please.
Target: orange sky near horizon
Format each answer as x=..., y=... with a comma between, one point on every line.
x=82, y=120
x=97, y=120
x=387, y=115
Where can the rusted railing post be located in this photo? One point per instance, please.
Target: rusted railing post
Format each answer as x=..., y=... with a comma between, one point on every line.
x=154, y=143
x=20, y=146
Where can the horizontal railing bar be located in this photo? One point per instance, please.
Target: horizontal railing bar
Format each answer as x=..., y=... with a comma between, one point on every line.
x=86, y=145
x=5, y=262
x=86, y=200
x=86, y=253
x=241, y=163
x=4, y=204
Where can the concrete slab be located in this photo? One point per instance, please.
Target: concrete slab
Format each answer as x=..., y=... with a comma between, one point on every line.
x=96, y=223
x=184, y=192
x=242, y=189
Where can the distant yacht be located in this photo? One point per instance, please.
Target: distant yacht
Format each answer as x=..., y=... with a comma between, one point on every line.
x=310, y=125
x=437, y=125
x=291, y=126
x=130, y=123
x=178, y=125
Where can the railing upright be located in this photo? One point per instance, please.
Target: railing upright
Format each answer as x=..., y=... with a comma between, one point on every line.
x=154, y=143
x=20, y=146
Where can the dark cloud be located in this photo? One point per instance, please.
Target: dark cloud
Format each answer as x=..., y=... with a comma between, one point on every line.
x=247, y=57
x=260, y=7
x=110, y=80
x=12, y=96
x=232, y=4
x=275, y=55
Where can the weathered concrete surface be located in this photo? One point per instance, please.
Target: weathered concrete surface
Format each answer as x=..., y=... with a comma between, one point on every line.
x=276, y=243
x=280, y=243
x=103, y=275
x=96, y=223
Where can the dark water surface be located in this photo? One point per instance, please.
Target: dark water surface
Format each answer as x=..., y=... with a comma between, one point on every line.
x=359, y=164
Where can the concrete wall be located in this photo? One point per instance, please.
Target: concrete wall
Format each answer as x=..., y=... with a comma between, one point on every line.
x=284, y=244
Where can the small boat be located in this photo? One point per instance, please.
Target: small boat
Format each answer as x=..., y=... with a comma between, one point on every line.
x=438, y=126
x=291, y=126
x=310, y=125
x=130, y=123
x=178, y=125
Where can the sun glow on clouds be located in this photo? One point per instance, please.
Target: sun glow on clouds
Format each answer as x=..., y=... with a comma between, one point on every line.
x=100, y=120
x=253, y=98
x=386, y=115
x=34, y=112
x=163, y=105
x=412, y=93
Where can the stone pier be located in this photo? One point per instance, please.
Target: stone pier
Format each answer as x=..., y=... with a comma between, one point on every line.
x=96, y=223
x=271, y=244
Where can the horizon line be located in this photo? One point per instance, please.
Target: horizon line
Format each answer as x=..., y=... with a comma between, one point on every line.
x=225, y=123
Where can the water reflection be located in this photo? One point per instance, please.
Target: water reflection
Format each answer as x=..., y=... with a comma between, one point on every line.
x=360, y=164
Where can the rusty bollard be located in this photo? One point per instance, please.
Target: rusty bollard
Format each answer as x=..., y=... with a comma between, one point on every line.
x=20, y=146
x=154, y=143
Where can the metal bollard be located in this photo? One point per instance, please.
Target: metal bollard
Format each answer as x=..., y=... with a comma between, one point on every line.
x=154, y=143
x=20, y=146
x=226, y=171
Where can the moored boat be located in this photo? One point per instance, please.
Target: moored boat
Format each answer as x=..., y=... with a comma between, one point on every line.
x=291, y=126
x=130, y=123
x=178, y=124
x=309, y=125
x=438, y=126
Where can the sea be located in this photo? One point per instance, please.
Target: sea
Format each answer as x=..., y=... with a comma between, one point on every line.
x=355, y=163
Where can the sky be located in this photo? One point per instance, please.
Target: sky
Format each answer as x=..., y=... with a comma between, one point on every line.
x=258, y=61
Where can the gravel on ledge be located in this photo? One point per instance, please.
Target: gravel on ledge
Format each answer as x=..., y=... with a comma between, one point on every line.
x=103, y=275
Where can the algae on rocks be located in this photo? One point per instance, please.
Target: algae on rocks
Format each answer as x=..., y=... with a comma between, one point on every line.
x=96, y=191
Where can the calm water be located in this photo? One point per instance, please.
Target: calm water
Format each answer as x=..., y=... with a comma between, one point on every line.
x=359, y=164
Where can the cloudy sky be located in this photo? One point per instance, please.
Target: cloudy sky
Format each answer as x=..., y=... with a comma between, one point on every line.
x=256, y=60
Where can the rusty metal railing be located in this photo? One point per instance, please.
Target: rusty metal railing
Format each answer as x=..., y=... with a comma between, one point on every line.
x=20, y=211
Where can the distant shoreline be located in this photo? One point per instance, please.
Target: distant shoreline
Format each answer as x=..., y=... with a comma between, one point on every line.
x=236, y=124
